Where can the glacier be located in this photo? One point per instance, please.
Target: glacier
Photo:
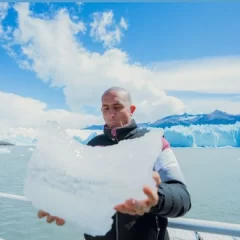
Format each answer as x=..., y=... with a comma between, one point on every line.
x=65, y=177
x=29, y=136
x=179, y=136
x=204, y=136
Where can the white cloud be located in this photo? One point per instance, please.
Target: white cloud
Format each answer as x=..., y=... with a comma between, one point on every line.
x=3, y=13
x=104, y=29
x=209, y=105
x=52, y=48
x=212, y=75
x=56, y=55
x=3, y=10
x=123, y=23
x=17, y=111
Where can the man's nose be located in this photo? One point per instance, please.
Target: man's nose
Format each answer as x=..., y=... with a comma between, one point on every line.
x=112, y=113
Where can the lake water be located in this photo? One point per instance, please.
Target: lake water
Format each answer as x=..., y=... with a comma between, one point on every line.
x=212, y=175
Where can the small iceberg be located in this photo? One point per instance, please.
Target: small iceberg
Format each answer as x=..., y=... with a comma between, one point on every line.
x=31, y=149
x=4, y=150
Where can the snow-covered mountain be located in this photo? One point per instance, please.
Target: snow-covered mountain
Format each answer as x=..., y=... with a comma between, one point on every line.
x=216, y=117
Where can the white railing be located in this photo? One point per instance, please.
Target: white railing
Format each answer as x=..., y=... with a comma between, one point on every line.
x=193, y=225
x=12, y=196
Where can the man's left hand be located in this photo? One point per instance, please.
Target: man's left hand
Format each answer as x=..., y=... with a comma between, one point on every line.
x=134, y=207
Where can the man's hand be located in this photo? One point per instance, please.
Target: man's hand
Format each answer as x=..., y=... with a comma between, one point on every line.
x=134, y=207
x=50, y=219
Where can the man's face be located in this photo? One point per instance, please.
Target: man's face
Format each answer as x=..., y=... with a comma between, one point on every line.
x=116, y=109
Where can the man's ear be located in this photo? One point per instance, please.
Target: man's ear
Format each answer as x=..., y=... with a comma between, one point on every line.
x=132, y=109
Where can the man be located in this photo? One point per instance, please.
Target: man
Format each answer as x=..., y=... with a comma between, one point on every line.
x=146, y=219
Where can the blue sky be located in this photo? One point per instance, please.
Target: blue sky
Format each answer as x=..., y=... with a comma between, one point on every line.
x=184, y=37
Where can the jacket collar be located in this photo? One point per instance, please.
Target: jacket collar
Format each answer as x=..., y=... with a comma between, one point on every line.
x=121, y=132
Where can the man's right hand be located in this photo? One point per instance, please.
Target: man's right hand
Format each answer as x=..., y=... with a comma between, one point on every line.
x=50, y=219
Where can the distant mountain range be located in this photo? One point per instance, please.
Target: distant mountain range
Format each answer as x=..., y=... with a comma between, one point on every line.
x=2, y=143
x=216, y=117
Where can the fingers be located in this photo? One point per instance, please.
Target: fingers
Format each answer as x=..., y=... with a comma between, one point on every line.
x=141, y=207
x=133, y=207
x=60, y=221
x=42, y=214
x=125, y=210
x=152, y=195
x=157, y=178
x=127, y=207
x=50, y=219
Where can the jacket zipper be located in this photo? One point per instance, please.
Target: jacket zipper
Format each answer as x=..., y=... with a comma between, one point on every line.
x=114, y=135
x=117, y=232
x=114, y=138
x=158, y=227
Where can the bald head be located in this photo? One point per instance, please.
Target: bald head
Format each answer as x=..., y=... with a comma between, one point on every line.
x=126, y=96
x=117, y=107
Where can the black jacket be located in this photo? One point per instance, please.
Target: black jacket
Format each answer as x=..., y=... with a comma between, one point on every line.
x=174, y=199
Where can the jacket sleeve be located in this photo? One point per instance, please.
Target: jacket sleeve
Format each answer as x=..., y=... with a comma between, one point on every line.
x=174, y=198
